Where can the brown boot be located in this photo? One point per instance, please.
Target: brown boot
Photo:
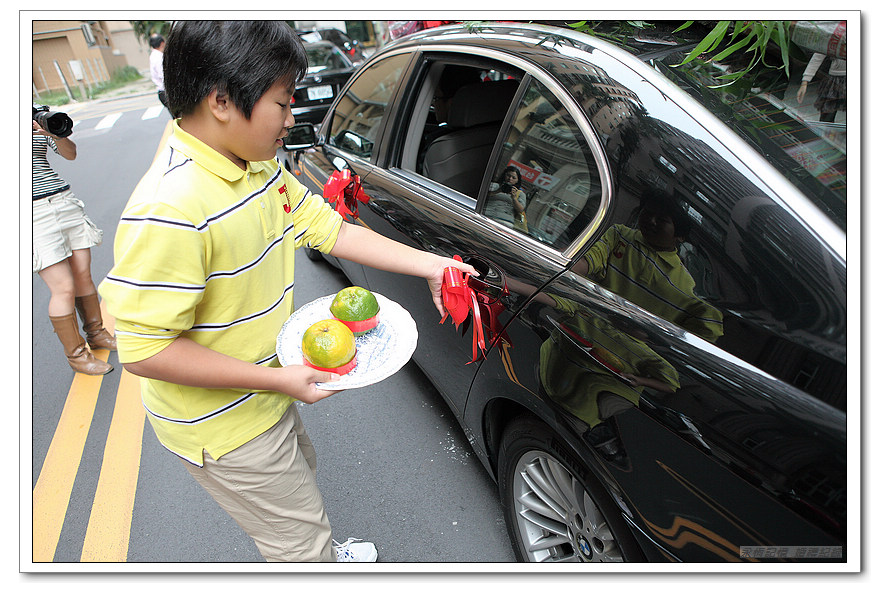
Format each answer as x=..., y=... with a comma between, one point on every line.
x=90, y=312
x=78, y=355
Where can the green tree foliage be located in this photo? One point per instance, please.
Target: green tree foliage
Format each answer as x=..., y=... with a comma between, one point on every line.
x=747, y=45
x=751, y=39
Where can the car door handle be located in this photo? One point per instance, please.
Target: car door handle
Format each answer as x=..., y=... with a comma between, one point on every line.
x=490, y=285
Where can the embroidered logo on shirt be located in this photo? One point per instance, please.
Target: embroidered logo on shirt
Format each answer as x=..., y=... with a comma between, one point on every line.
x=283, y=190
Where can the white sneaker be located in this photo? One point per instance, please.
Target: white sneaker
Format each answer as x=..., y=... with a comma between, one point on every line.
x=350, y=551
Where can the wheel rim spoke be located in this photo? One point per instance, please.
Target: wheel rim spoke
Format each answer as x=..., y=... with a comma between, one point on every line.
x=536, y=477
x=558, y=521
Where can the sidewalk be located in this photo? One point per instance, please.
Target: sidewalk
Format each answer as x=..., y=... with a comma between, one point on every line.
x=142, y=86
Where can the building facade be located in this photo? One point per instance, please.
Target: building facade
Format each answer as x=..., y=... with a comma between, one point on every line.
x=77, y=54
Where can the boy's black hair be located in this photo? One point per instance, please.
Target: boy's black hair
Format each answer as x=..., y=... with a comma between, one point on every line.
x=656, y=201
x=156, y=40
x=240, y=58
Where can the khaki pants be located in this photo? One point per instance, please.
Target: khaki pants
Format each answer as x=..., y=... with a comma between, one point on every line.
x=268, y=486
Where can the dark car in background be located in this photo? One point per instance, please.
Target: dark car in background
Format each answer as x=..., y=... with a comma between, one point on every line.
x=329, y=69
x=350, y=47
x=665, y=376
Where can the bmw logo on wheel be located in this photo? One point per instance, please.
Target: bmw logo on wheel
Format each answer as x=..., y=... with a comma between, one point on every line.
x=584, y=547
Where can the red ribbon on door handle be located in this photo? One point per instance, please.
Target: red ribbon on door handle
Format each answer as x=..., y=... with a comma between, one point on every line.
x=343, y=190
x=461, y=300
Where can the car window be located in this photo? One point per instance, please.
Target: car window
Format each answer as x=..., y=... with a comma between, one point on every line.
x=457, y=113
x=325, y=57
x=546, y=183
x=359, y=113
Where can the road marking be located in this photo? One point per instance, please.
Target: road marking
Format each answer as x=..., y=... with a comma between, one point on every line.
x=55, y=483
x=109, y=527
x=152, y=112
x=107, y=121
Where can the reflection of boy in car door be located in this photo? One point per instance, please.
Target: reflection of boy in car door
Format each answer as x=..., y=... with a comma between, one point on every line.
x=642, y=265
x=594, y=371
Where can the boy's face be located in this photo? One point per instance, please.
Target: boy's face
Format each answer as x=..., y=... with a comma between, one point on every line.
x=259, y=138
x=658, y=230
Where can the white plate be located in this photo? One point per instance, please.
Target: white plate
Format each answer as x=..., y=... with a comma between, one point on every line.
x=380, y=353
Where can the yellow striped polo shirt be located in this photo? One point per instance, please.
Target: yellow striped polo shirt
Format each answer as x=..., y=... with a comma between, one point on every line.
x=623, y=262
x=205, y=250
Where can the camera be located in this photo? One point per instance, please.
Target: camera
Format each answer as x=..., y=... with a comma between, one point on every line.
x=505, y=188
x=55, y=122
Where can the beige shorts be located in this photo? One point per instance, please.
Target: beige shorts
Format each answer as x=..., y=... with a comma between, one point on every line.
x=60, y=227
x=268, y=486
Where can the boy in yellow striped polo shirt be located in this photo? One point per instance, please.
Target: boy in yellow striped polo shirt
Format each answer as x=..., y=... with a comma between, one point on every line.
x=643, y=266
x=203, y=280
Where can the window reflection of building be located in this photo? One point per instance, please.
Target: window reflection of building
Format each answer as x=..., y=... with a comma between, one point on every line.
x=559, y=173
x=361, y=109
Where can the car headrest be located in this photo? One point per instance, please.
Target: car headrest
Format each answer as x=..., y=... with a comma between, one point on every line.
x=481, y=102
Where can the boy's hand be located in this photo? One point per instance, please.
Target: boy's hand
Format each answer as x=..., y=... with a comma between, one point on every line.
x=435, y=278
x=298, y=381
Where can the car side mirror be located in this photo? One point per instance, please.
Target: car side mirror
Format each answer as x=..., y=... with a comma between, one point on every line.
x=299, y=137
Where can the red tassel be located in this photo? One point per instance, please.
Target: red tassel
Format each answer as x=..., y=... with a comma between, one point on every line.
x=344, y=191
x=460, y=300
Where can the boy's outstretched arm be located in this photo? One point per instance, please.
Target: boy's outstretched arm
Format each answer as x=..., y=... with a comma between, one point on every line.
x=363, y=246
x=185, y=362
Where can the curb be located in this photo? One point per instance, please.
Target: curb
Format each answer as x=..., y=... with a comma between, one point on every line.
x=121, y=94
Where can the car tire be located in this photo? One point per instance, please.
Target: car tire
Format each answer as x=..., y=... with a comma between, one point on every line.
x=556, y=511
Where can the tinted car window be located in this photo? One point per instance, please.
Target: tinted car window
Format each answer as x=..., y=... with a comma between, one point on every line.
x=558, y=181
x=325, y=57
x=457, y=113
x=360, y=111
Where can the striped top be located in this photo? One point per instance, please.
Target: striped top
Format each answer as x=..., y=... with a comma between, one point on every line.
x=206, y=251
x=657, y=281
x=46, y=181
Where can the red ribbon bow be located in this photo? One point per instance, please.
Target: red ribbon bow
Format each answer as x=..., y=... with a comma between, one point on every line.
x=460, y=300
x=344, y=191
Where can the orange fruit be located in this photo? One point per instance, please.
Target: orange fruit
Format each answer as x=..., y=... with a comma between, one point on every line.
x=329, y=345
x=357, y=308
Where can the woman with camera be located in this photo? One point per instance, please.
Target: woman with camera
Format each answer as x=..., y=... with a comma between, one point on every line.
x=506, y=201
x=62, y=242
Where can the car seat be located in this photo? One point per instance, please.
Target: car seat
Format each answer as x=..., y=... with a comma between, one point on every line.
x=458, y=158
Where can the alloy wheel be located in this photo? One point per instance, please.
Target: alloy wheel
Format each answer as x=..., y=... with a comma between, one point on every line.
x=557, y=519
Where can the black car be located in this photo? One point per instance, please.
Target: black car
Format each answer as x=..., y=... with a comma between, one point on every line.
x=350, y=47
x=665, y=371
x=329, y=69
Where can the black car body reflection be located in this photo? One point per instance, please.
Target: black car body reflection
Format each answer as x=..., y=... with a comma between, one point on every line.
x=622, y=419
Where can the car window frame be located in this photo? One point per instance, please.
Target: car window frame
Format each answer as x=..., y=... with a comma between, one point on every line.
x=390, y=114
x=395, y=129
x=528, y=81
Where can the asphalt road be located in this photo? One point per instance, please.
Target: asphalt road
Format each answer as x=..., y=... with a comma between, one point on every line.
x=394, y=467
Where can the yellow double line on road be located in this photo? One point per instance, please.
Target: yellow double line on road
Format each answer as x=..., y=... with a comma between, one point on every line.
x=109, y=528
x=109, y=525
